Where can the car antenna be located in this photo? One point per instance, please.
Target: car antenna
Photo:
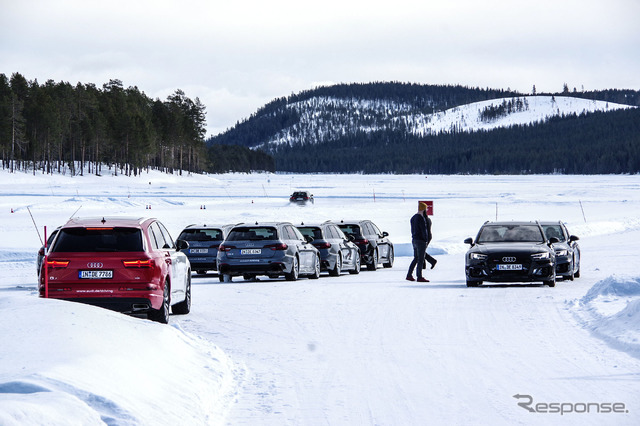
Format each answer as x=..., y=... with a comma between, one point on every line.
x=103, y=220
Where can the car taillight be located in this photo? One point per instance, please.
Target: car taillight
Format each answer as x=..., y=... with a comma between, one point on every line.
x=322, y=245
x=224, y=248
x=362, y=241
x=138, y=263
x=278, y=246
x=57, y=263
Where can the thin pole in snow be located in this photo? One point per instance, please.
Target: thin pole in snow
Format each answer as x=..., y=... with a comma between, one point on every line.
x=46, y=266
x=583, y=216
x=496, y=211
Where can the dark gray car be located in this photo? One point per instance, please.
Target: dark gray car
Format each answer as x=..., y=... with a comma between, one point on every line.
x=567, y=250
x=271, y=248
x=203, y=245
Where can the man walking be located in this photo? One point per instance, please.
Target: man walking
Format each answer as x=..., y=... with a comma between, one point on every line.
x=419, y=239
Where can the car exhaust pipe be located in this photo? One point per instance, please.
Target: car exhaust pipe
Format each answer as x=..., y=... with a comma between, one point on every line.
x=140, y=307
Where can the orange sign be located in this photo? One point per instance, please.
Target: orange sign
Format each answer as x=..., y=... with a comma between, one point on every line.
x=429, y=207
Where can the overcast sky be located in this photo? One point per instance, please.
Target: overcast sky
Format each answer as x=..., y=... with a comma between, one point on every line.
x=237, y=55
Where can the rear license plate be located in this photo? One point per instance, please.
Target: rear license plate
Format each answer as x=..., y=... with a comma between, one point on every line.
x=510, y=267
x=198, y=251
x=250, y=251
x=95, y=275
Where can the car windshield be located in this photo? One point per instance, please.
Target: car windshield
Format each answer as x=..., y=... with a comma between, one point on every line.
x=201, y=235
x=553, y=231
x=311, y=231
x=510, y=233
x=350, y=230
x=253, y=233
x=98, y=240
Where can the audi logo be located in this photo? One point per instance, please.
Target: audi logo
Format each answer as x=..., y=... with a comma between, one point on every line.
x=508, y=259
x=95, y=265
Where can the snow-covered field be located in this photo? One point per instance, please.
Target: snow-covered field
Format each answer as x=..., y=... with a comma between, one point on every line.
x=367, y=349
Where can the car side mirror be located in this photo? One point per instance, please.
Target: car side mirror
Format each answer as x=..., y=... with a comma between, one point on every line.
x=573, y=238
x=553, y=240
x=385, y=234
x=469, y=241
x=182, y=245
x=308, y=238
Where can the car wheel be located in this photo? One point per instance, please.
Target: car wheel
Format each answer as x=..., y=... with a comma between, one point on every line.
x=356, y=267
x=225, y=278
x=577, y=273
x=373, y=265
x=389, y=263
x=201, y=272
x=295, y=270
x=162, y=315
x=316, y=269
x=550, y=283
x=338, y=267
x=473, y=283
x=184, y=307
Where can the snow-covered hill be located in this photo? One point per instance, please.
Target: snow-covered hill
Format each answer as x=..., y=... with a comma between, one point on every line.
x=323, y=119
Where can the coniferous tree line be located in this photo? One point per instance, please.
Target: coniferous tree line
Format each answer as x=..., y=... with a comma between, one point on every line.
x=593, y=143
x=82, y=128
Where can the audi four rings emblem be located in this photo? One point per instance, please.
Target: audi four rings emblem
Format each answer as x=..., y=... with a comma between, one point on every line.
x=96, y=265
x=508, y=259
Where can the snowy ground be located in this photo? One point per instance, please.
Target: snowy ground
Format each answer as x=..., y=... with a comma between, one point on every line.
x=358, y=349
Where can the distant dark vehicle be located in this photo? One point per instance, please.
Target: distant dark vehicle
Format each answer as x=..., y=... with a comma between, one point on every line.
x=510, y=252
x=270, y=248
x=41, y=252
x=301, y=197
x=375, y=247
x=203, y=245
x=337, y=252
x=567, y=250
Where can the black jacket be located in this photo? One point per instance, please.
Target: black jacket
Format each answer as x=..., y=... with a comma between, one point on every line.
x=419, y=229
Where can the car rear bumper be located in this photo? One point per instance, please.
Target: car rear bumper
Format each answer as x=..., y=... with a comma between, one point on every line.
x=271, y=268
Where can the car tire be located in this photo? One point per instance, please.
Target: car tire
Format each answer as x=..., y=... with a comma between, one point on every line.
x=357, y=266
x=389, y=263
x=162, y=315
x=225, y=278
x=295, y=270
x=473, y=283
x=316, y=269
x=335, y=272
x=184, y=307
x=373, y=265
x=550, y=283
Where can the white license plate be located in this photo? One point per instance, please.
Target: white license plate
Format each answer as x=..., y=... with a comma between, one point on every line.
x=250, y=251
x=510, y=267
x=95, y=275
x=198, y=251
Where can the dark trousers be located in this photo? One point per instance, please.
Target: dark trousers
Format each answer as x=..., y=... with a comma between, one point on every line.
x=419, y=250
x=432, y=260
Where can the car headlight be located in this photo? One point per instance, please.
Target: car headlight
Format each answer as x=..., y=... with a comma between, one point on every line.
x=541, y=256
x=477, y=256
x=564, y=252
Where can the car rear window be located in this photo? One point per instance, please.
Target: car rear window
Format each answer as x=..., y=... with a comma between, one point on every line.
x=311, y=231
x=98, y=240
x=253, y=233
x=201, y=235
x=351, y=230
x=510, y=233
